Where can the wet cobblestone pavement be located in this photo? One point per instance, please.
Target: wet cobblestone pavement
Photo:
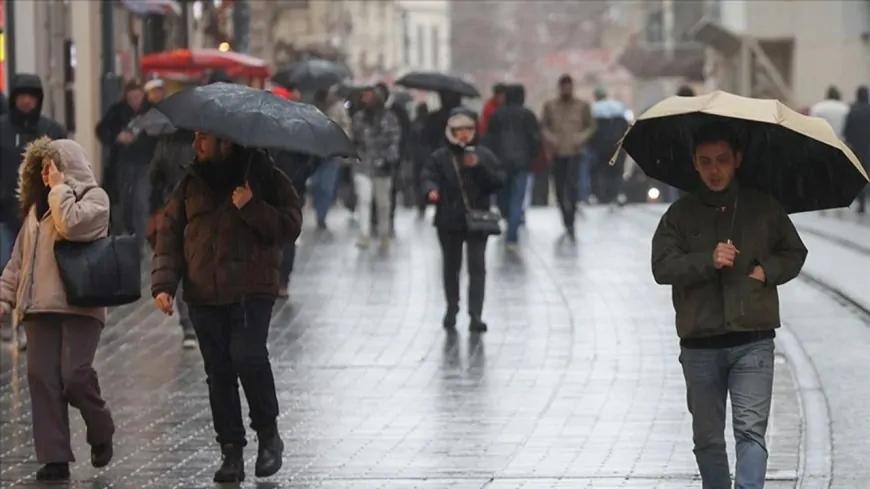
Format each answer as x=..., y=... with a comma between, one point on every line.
x=576, y=385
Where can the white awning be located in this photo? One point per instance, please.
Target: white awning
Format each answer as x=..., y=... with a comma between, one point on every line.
x=153, y=7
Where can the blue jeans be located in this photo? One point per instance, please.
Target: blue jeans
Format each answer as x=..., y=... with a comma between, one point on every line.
x=323, y=183
x=7, y=242
x=584, y=175
x=746, y=372
x=512, y=197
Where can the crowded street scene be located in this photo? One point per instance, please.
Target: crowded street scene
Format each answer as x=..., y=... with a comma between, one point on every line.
x=392, y=244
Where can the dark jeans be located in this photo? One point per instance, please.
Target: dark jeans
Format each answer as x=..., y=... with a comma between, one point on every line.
x=232, y=339
x=862, y=200
x=511, y=199
x=746, y=373
x=134, y=194
x=565, y=178
x=451, y=251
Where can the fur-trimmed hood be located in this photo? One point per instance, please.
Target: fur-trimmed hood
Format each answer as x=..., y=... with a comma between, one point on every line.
x=69, y=157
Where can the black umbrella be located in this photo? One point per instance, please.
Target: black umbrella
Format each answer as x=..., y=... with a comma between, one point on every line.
x=438, y=82
x=312, y=74
x=153, y=123
x=799, y=160
x=257, y=119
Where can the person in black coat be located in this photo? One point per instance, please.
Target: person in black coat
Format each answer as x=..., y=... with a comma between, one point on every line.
x=856, y=132
x=456, y=172
x=22, y=124
x=515, y=136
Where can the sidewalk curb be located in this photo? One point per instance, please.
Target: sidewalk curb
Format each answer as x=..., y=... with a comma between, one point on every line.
x=815, y=466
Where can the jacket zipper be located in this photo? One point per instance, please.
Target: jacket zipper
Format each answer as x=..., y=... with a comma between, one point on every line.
x=32, y=268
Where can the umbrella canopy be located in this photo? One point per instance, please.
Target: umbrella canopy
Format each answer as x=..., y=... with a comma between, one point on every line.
x=256, y=119
x=438, y=82
x=153, y=123
x=797, y=159
x=312, y=74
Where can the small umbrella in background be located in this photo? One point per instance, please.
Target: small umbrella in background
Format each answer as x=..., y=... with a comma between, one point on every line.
x=438, y=82
x=256, y=119
x=153, y=123
x=797, y=159
x=312, y=74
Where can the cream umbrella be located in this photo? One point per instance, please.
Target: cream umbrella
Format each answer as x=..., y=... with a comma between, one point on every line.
x=796, y=158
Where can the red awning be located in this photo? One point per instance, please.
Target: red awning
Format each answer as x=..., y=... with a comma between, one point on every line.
x=197, y=62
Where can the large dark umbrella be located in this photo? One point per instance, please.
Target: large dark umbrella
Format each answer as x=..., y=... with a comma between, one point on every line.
x=797, y=159
x=438, y=82
x=312, y=74
x=153, y=123
x=256, y=119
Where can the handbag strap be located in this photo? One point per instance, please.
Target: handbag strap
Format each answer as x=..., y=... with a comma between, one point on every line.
x=461, y=184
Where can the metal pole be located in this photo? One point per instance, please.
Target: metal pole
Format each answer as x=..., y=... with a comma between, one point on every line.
x=241, y=26
x=107, y=41
x=9, y=30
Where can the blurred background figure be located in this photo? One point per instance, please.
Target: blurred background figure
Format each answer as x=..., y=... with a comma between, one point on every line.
x=125, y=177
x=325, y=178
x=856, y=133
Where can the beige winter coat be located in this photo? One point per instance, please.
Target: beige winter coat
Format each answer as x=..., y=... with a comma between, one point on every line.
x=78, y=211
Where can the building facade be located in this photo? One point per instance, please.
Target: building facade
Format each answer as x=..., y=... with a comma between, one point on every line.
x=377, y=39
x=791, y=50
x=424, y=35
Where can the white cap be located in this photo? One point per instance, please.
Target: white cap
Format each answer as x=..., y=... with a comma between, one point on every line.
x=153, y=84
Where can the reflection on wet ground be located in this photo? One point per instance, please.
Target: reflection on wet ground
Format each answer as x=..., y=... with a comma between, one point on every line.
x=576, y=384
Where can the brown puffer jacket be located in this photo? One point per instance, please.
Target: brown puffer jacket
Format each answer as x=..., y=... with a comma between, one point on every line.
x=223, y=253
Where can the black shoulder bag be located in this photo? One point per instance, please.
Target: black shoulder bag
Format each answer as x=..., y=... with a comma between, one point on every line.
x=477, y=221
x=106, y=272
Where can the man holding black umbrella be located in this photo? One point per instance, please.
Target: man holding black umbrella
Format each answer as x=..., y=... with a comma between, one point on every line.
x=223, y=232
x=724, y=249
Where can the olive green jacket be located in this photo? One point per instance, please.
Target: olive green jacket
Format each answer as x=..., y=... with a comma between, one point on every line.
x=710, y=302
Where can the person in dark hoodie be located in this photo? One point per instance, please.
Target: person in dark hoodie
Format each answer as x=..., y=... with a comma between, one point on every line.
x=856, y=132
x=515, y=136
x=22, y=124
x=126, y=175
x=458, y=176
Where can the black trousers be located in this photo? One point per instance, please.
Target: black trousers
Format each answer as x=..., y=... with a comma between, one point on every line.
x=565, y=173
x=232, y=339
x=451, y=250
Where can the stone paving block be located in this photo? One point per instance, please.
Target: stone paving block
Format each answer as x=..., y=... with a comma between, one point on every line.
x=577, y=383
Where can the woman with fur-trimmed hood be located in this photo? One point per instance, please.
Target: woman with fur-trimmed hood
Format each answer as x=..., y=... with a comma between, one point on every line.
x=59, y=200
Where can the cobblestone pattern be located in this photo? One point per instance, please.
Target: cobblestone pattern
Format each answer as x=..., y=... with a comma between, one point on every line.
x=576, y=385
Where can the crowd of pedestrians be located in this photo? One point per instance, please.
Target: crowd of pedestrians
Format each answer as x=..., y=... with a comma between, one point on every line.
x=221, y=223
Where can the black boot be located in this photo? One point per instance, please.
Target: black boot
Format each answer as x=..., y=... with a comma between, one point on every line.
x=477, y=325
x=232, y=467
x=449, y=321
x=53, y=473
x=101, y=454
x=269, y=455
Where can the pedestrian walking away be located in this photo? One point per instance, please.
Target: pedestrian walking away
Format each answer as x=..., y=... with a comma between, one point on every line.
x=59, y=200
x=458, y=179
x=224, y=230
x=724, y=250
x=515, y=137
